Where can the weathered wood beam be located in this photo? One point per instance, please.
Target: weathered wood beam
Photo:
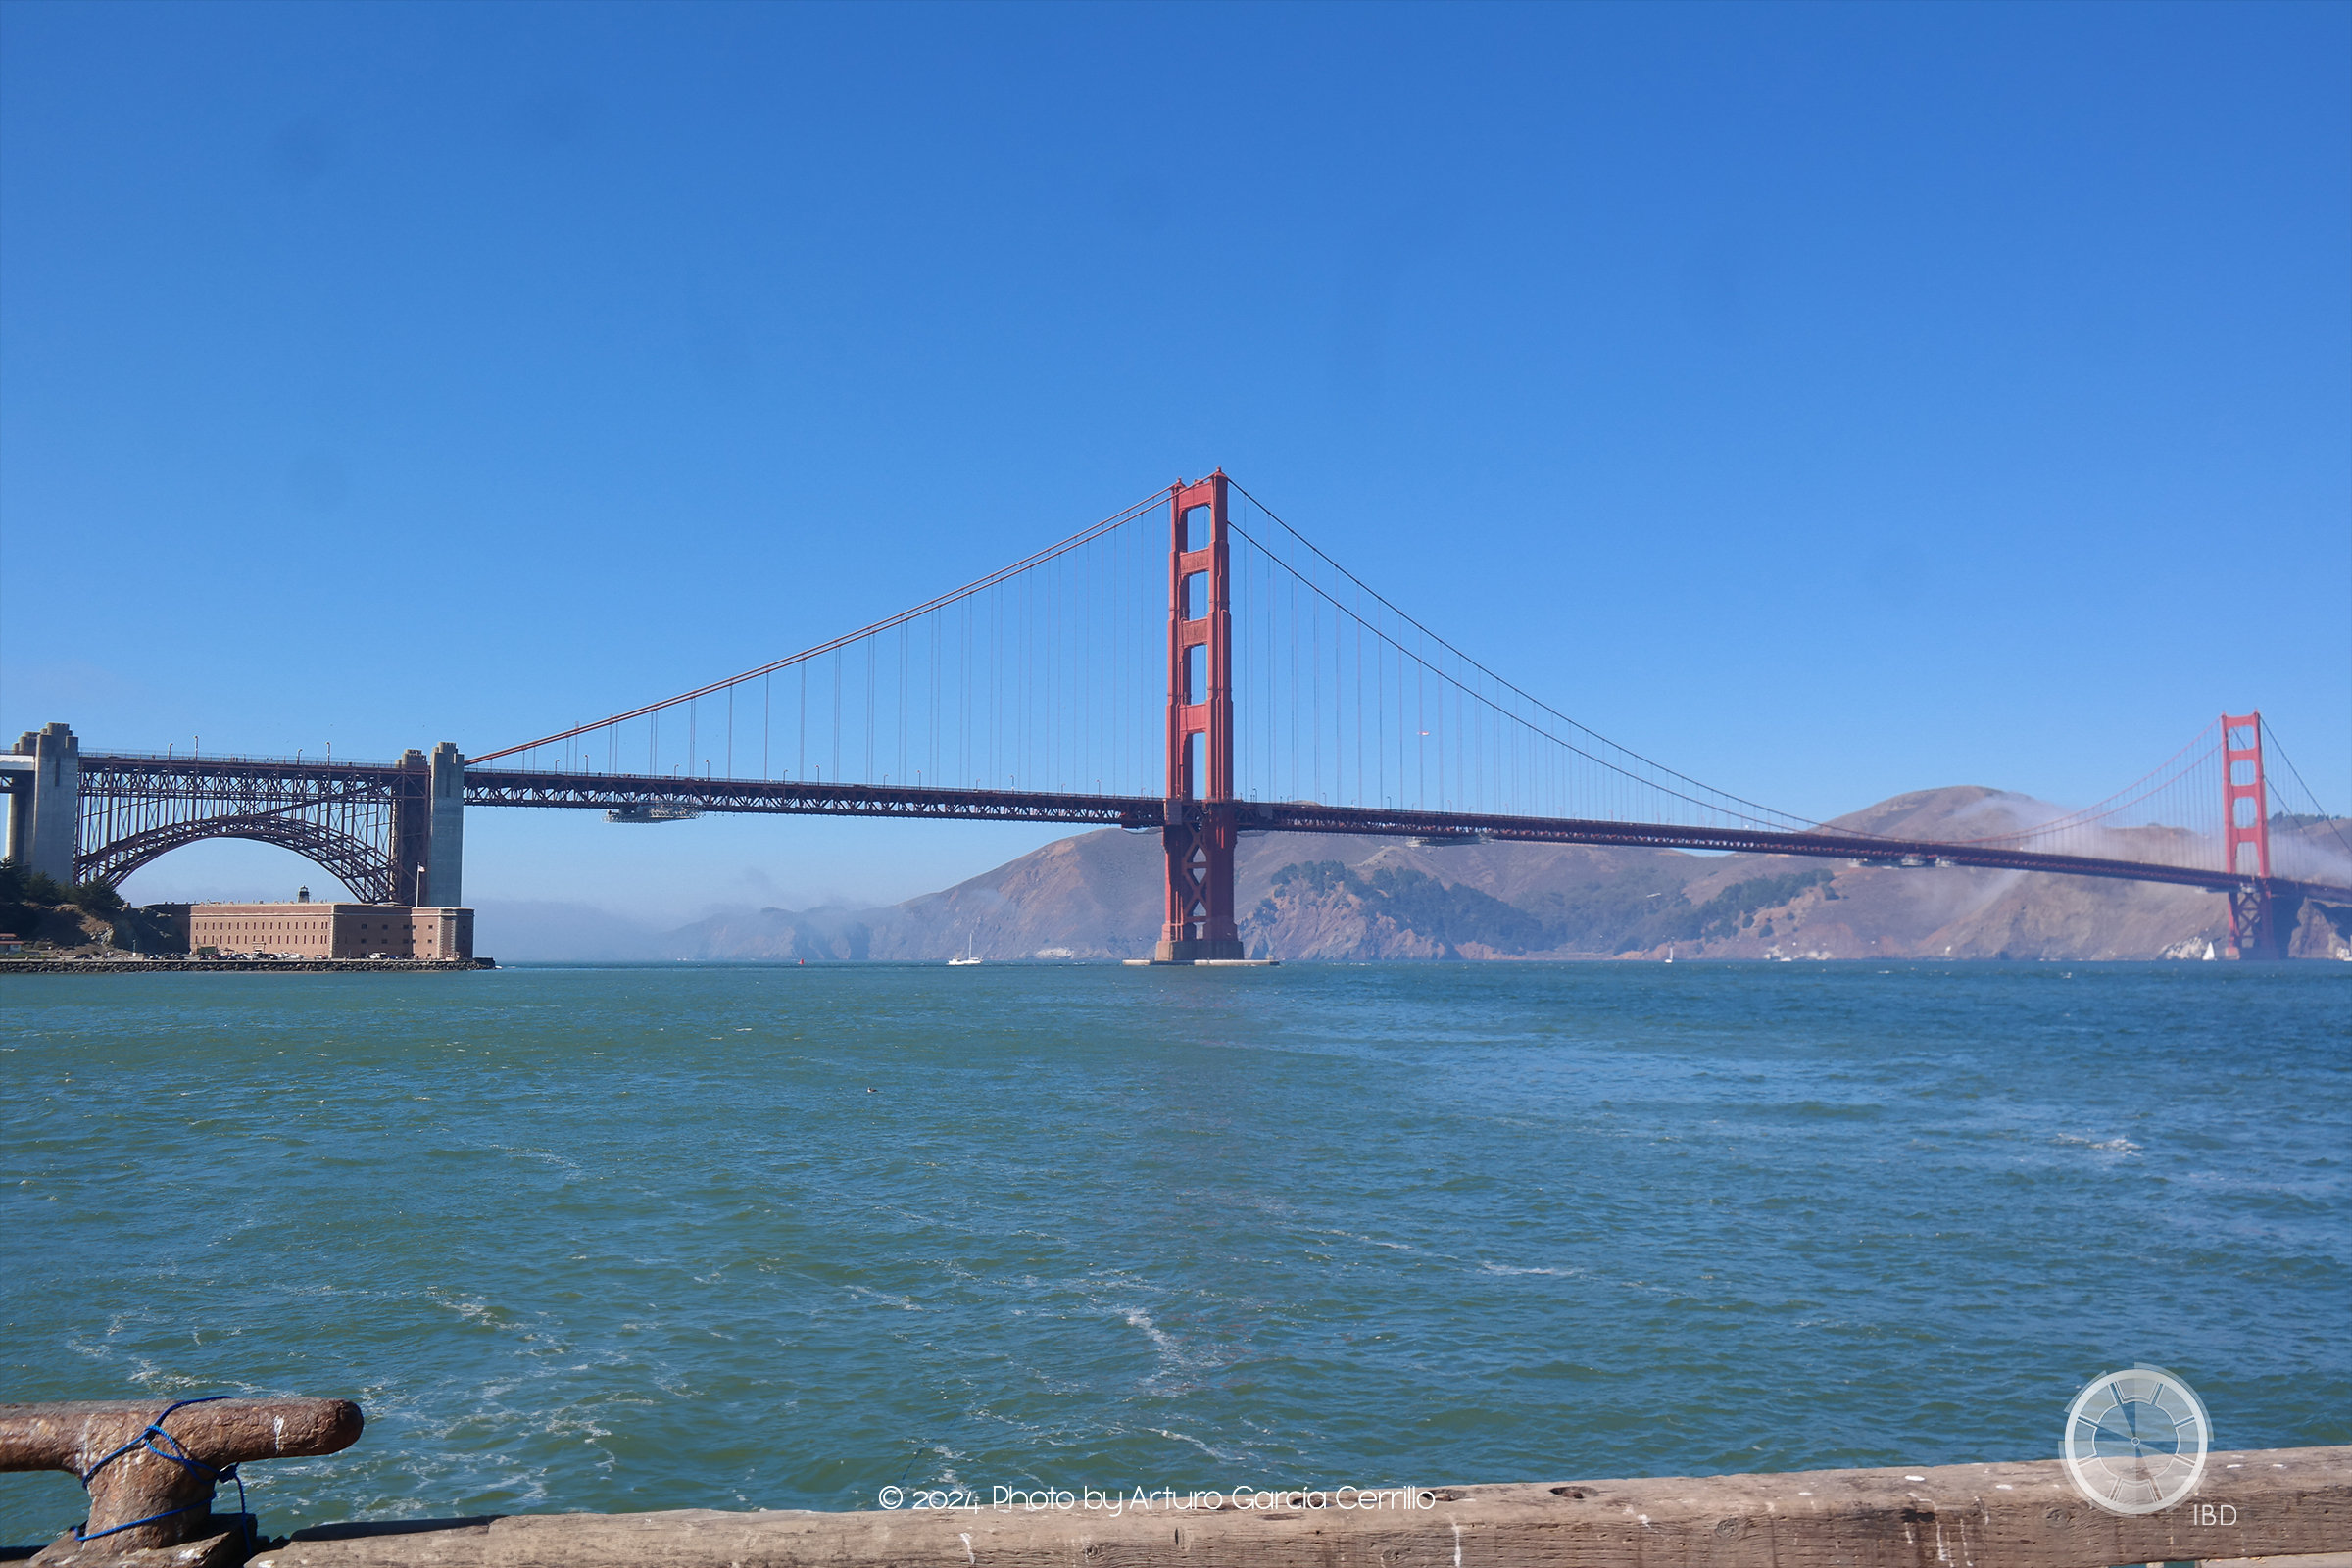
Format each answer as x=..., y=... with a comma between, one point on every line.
x=2023, y=1515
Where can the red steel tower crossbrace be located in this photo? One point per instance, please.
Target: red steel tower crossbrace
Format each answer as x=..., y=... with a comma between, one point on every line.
x=1201, y=829
x=2246, y=827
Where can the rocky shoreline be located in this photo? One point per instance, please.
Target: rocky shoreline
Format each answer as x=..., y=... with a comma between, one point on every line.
x=243, y=965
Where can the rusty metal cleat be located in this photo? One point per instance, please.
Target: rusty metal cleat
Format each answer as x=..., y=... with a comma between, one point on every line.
x=150, y=1467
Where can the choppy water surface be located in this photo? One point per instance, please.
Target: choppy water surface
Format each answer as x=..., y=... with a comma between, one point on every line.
x=656, y=1238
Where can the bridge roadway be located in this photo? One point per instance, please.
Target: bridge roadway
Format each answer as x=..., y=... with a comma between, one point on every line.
x=614, y=792
x=263, y=789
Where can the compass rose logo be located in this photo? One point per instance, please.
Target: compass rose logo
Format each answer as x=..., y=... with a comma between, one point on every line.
x=2135, y=1441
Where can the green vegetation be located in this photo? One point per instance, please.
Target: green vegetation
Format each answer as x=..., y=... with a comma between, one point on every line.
x=1637, y=912
x=1444, y=911
x=96, y=897
x=1613, y=914
x=26, y=896
x=22, y=885
x=1734, y=908
x=1628, y=913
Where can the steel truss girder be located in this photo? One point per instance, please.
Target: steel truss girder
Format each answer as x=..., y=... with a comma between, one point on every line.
x=794, y=797
x=609, y=791
x=1306, y=817
x=337, y=815
x=354, y=862
x=258, y=792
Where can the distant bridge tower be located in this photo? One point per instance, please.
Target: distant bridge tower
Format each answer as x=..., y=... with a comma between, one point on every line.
x=2255, y=914
x=1201, y=829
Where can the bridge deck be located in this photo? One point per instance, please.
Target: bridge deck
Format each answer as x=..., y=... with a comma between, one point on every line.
x=612, y=792
x=321, y=783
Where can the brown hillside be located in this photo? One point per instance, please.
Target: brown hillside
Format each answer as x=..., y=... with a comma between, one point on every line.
x=1308, y=896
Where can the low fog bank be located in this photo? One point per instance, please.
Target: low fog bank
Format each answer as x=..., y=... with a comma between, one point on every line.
x=537, y=931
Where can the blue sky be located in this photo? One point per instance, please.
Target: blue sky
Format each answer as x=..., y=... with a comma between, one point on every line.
x=1830, y=400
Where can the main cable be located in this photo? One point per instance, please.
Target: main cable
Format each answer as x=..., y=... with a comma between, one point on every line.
x=1115, y=520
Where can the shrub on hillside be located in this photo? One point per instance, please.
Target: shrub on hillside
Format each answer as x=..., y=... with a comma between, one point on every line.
x=96, y=897
x=20, y=884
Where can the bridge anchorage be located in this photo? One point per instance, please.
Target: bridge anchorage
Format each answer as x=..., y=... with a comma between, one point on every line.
x=1192, y=666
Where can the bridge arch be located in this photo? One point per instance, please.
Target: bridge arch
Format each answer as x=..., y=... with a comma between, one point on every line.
x=352, y=860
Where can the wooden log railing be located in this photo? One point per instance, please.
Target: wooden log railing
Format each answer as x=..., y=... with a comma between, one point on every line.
x=2025, y=1515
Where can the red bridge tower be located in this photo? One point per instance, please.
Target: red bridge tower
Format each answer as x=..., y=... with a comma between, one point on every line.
x=1201, y=830
x=2254, y=912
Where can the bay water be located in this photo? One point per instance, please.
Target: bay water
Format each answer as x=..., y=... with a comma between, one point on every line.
x=678, y=1236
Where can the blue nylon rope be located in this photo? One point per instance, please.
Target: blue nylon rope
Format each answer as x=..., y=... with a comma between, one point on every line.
x=180, y=1456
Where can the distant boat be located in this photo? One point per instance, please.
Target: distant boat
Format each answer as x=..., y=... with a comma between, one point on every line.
x=958, y=963
x=1669, y=952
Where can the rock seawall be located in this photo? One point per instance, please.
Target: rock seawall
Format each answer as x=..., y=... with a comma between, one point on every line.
x=243, y=965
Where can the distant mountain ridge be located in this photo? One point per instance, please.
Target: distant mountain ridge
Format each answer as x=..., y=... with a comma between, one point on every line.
x=1333, y=897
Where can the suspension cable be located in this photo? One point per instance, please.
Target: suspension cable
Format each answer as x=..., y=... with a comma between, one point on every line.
x=1421, y=785
x=1115, y=520
x=1764, y=811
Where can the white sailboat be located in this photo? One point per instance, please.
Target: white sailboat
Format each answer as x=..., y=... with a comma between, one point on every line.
x=968, y=957
x=1669, y=952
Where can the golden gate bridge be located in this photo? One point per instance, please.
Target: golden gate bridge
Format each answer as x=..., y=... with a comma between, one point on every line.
x=1191, y=666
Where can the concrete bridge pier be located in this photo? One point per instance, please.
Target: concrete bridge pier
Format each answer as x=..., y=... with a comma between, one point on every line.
x=445, y=829
x=45, y=801
x=429, y=827
x=411, y=826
